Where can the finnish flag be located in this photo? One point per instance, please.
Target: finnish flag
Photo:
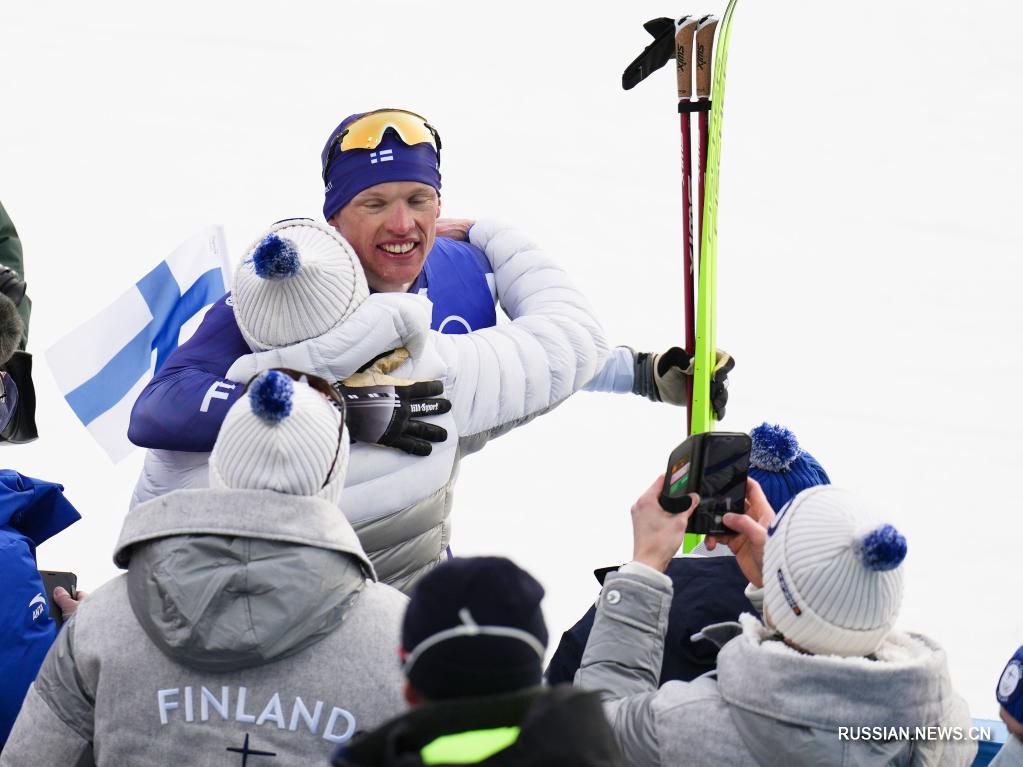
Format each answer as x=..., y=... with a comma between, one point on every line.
x=102, y=366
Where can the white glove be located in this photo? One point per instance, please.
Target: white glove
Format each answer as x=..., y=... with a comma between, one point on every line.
x=382, y=322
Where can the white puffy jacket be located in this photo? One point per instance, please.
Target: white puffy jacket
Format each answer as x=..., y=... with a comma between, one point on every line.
x=496, y=378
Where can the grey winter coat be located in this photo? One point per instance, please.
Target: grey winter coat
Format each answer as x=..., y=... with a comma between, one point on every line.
x=1009, y=755
x=769, y=704
x=247, y=621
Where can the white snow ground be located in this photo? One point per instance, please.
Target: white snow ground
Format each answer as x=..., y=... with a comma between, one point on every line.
x=869, y=242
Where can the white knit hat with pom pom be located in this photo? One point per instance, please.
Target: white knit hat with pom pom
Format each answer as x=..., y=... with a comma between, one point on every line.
x=832, y=581
x=283, y=436
x=299, y=280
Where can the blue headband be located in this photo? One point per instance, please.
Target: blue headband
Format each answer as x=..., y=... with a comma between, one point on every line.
x=358, y=169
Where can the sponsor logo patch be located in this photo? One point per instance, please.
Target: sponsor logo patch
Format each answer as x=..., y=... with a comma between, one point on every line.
x=37, y=605
x=788, y=594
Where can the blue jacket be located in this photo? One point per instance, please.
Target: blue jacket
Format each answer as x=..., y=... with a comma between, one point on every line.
x=31, y=511
x=706, y=590
x=185, y=403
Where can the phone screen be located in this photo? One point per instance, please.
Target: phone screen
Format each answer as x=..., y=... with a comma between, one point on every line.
x=725, y=464
x=678, y=479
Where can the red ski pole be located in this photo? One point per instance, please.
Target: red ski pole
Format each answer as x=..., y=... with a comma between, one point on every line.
x=684, y=37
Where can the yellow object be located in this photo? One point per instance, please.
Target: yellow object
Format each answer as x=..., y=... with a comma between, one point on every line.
x=367, y=131
x=469, y=747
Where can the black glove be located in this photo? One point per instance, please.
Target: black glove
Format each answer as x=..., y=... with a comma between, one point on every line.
x=384, y=413
x=22, y=426
x=664, y=378
x=719, y=383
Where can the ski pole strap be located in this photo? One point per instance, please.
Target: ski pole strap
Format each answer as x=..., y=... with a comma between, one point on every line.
x=703, y=105
x=643, y=381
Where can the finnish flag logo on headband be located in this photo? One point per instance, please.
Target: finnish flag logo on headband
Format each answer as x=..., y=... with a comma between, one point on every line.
x=384, y=155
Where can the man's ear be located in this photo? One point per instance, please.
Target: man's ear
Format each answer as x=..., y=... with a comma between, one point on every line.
x=411, y=696
x=1015, y=727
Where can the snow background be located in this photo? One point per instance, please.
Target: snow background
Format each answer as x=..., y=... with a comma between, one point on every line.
x=869, y=242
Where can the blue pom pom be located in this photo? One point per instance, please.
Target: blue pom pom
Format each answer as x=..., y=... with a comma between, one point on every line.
x=276, y=258
x=774, y=447
x=270, y=396
x=883, y=549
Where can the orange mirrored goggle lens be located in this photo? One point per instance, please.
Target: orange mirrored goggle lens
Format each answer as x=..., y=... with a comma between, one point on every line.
x=368, y=131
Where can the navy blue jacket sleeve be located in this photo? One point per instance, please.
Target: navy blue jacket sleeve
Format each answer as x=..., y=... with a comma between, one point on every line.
x=185, y=403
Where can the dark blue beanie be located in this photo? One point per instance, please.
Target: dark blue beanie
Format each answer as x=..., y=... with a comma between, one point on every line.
x=1010, y=686
x=490, y=592
x=358, y=169
x=782, y=468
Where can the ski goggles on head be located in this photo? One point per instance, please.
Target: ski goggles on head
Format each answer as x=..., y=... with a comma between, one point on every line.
x=367, y=131
x=328, y=391
x=8, y=399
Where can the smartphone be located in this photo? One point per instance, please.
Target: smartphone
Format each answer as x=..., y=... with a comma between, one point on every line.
x=713, y=465
x=51, y=580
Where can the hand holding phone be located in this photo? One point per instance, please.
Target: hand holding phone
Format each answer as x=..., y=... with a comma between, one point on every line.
x=656, y=536
x=747, y=536
x=51, y=580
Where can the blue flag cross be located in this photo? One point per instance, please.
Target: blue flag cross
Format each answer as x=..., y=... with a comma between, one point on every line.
x=170, y=310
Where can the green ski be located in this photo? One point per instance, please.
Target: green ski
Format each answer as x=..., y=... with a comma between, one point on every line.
x=706, y=314
x=673, y=39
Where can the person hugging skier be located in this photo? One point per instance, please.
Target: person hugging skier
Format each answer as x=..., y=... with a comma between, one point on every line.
x=382, y=182
x=301, y=296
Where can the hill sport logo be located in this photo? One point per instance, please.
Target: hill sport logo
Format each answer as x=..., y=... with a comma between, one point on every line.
x=37, y=605
x=423, y=408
